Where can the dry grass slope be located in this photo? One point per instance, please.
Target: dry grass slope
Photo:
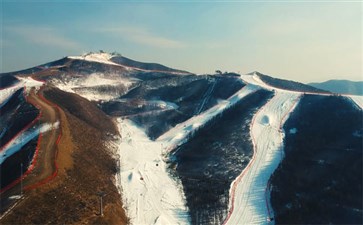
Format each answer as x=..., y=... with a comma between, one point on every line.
x=85, y=168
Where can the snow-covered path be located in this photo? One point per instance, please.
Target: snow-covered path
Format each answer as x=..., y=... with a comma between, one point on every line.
x=150, y=195
x=248, y=201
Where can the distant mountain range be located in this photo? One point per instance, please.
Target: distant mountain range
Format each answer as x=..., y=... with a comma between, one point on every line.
x=341, y=86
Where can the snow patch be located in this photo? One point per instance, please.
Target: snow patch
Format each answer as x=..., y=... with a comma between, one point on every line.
x=29, y=82
x=101, y=57
x=164, y=104
x=6, y=93
x=16, y=197
x=93, y=81
x=255, y=80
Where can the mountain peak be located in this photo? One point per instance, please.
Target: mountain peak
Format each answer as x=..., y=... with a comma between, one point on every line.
x=101, y=57
x=119, y=60
x=254, y=73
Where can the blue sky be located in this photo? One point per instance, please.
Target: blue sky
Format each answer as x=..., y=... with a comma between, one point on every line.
x=297, y=40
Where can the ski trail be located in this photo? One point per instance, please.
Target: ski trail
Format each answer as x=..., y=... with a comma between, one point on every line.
x=150, y=195
x=248, y=202
x=206, y=97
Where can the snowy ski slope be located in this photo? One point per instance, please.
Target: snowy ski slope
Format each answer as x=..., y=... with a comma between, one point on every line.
x=249, y=202
x=150, y=195
x=143, y=170
x=249, y=197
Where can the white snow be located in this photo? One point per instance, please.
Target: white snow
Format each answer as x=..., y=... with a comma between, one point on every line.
x=249, y=201
x=357, y=100
x=16, y=197
x=29, y=82
x=105, y=58
x=255, y=80
x=93, y=80
x=96, y=57
x=6, y=93
x=23, y=138
x=150, y=195
x=163, y=104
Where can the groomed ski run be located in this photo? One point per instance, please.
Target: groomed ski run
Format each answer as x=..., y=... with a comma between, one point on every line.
x=249, y=197
x=150, y=195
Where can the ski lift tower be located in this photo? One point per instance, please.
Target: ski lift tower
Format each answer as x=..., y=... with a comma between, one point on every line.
x=101, y=194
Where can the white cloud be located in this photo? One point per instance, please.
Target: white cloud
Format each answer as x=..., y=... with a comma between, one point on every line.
x=143, y=36
x=43, y=36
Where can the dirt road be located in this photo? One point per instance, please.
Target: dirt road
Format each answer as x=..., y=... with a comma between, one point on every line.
x=45, y=168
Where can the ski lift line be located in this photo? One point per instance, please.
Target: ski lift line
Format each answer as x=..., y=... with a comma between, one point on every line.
x=206, y=97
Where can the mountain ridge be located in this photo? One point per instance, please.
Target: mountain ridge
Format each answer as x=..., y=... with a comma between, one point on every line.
x=179, y=135
x=340, y=86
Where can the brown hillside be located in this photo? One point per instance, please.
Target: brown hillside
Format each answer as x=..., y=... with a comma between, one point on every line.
x=85, y=168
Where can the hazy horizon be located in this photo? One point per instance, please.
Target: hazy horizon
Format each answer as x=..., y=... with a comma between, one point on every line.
x=302, y=41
